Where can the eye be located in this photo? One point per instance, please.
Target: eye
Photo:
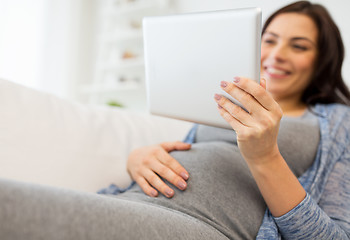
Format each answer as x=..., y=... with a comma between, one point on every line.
x=269, y=41
x=299, y=47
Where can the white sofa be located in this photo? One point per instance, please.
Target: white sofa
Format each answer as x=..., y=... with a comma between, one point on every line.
x=48, y=140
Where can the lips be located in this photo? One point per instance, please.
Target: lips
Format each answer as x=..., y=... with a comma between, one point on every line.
x=276, y=72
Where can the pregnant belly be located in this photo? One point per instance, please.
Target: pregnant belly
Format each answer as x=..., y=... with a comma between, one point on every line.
x=220, y=192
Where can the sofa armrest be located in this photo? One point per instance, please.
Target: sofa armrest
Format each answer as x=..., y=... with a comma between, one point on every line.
x=49, y=140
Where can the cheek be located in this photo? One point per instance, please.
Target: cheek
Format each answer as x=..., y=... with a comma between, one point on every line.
x=305, y=65
x=305, y=69
x=264, y=54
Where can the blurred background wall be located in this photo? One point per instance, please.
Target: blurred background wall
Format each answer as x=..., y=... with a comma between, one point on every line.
x=90, y=51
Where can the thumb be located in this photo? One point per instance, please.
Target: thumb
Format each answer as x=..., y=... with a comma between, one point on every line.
x=263, y=82
x=178, y=145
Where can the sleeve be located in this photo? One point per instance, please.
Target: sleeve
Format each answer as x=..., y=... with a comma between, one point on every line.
x=190, y=137
x=327, y=219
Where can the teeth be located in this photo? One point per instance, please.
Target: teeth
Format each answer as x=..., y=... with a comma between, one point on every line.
x=275, y=71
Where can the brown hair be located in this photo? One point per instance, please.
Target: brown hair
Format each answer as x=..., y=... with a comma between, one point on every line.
x=327, y=84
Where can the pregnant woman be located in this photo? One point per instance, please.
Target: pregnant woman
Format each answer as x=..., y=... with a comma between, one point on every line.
x=281, y=172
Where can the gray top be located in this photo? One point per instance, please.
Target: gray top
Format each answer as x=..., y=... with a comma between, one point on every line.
x=221, y=190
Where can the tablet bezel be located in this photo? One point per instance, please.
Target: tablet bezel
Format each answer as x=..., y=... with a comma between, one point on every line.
x=188, y=55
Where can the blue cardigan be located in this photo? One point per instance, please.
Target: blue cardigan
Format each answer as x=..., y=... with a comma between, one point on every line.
x=325, y=211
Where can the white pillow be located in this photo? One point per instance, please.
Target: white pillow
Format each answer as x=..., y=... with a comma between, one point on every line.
x=49, y=140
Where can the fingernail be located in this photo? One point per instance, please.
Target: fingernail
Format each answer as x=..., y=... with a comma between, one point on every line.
x=217, y=97
x=223, y=84
x=182, y=185
x=169, y=192
x=236, y=79
x=184, y=175
x=154, y=193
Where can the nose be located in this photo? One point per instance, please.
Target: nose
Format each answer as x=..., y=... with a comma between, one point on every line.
x=279, y=53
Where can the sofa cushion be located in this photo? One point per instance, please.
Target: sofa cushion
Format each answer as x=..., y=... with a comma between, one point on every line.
x=49, y=140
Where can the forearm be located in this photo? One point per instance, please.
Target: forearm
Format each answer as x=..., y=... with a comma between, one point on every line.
x=278, y=185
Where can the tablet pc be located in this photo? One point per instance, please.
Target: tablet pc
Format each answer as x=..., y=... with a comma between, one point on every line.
x=188, y=55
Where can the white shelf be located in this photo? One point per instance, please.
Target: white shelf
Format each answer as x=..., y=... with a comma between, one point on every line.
x=119, y=69
x=123, y=66
x=123, y=35
x=133, y=8
x=109, y=88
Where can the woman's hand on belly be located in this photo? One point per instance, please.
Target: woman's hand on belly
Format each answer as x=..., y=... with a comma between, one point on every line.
x=146, y=164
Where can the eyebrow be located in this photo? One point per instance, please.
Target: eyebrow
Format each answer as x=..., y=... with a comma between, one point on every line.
x=294, y=38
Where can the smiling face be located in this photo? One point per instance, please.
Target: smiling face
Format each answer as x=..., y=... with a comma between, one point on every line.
x=288, y=55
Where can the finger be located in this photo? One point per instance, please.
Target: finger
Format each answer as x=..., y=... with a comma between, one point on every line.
x=146, y=188
x=263, y=82
x=166, y=159
x=171, y=162
x=158, y=183
x=169, y=175
x=257, y=91
x=235, y=124
x=178, y=145
x=247, y=100
x=234, y=110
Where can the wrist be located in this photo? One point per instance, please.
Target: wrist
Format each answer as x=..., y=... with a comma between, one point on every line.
x=265, y=159
x=267, y=165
